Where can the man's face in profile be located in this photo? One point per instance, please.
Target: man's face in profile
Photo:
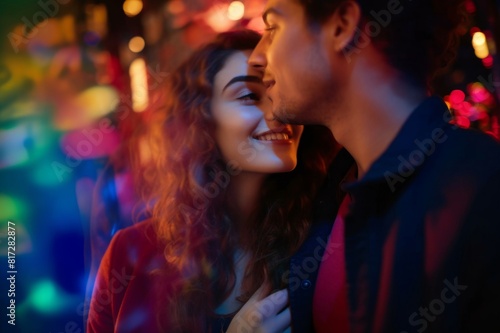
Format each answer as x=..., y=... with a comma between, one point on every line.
x=297, y=63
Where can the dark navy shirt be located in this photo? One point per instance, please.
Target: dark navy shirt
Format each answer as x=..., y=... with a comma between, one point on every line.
x=422, y=236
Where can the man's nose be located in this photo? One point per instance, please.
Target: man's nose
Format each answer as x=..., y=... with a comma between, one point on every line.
x=258, y=57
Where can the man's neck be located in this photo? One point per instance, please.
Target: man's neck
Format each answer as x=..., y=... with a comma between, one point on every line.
x=377, y=104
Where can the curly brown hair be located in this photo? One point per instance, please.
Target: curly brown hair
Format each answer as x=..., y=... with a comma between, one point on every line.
x=420, y=40
x=199, y=239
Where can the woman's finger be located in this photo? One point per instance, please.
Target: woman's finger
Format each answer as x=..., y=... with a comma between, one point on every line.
x=267, y=308
x=255, y=298
x=278, y=323
x=273, y=304
x=259, y=294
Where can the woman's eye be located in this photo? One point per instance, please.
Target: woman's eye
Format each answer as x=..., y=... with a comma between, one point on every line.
x=249, y=97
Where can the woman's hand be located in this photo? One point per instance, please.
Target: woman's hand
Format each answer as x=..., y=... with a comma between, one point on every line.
x=263, y=314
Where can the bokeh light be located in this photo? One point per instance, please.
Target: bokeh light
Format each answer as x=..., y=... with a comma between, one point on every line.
x=86, y=107
x=470, y=7
x=98, y=101
x=136, y=44
x=97, y=18
x=46, y=297
x=132, y=7
x=13, y=209
x=216, y=17
x=480, y=45
x=176, y=7
x=139, y=85
x=94, y=141
x=473, y=30
x=457, y=97
x=23, y=140
x=43, y=174
x=236, y=10
x=478, y=92
x=478, y=38
x=488, y=61
x=462, y=121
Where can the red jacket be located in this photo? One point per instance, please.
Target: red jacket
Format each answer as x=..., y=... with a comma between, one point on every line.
x=132, y=284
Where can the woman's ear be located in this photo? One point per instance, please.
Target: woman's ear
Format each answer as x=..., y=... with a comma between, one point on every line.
x=342, y=25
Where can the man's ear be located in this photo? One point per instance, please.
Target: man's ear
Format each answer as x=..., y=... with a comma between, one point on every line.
x=342, y=25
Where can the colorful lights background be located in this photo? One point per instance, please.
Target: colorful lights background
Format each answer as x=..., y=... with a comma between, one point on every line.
x=76, y=78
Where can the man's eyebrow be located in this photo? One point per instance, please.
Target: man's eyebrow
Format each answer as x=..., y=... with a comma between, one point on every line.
x=268, y=11
x=243, y=78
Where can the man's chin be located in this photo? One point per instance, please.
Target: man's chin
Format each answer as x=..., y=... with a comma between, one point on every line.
x=285, y=116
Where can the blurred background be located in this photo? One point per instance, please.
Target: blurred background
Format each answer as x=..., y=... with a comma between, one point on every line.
x=76, y=79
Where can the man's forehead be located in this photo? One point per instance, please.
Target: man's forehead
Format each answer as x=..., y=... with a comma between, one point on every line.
x=280, y=8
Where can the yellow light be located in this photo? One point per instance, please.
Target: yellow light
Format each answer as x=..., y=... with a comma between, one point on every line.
x=97, y=19
x=136, y=44
x=236, y=10
x=480, y=45
x=482, y=52
x=217, y=17
x=67, y=27
x=132, y=7
x=97, y=101
x=139, y=84
x=478, y=39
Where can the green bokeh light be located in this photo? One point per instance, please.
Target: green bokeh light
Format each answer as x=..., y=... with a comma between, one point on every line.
x=12, y=209
x=47, y=298
x=45, y=175
x=26, y=138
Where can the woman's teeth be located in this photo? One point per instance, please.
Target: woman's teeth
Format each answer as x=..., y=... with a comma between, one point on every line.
x=273, y=136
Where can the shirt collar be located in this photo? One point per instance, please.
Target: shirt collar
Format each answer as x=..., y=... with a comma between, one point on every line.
x=430, y=115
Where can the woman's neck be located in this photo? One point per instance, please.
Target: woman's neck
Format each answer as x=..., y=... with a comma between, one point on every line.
x=232, y=303
x=243, y=195
x=242, y=200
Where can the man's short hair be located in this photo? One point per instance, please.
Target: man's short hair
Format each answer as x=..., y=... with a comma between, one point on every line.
x=419, y=38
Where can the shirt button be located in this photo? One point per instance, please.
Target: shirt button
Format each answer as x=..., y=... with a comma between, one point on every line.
x=305, y=284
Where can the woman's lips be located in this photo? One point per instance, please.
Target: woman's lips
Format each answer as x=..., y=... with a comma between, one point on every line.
x=273, y=137
x=283, y=134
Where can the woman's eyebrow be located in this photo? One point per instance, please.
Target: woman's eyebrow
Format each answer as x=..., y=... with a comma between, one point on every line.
x=243, y=78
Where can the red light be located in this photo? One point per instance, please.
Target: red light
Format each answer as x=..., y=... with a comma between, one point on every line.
x=488, y=61
x=473, y=30
x=463, y=121
x=457, y=97
x=470, y=7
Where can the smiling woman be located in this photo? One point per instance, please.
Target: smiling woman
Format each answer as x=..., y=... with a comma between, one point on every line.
x=226, y=212
x=242, y=132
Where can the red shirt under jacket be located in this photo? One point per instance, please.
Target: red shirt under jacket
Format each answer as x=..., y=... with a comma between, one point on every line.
x=330, y=305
